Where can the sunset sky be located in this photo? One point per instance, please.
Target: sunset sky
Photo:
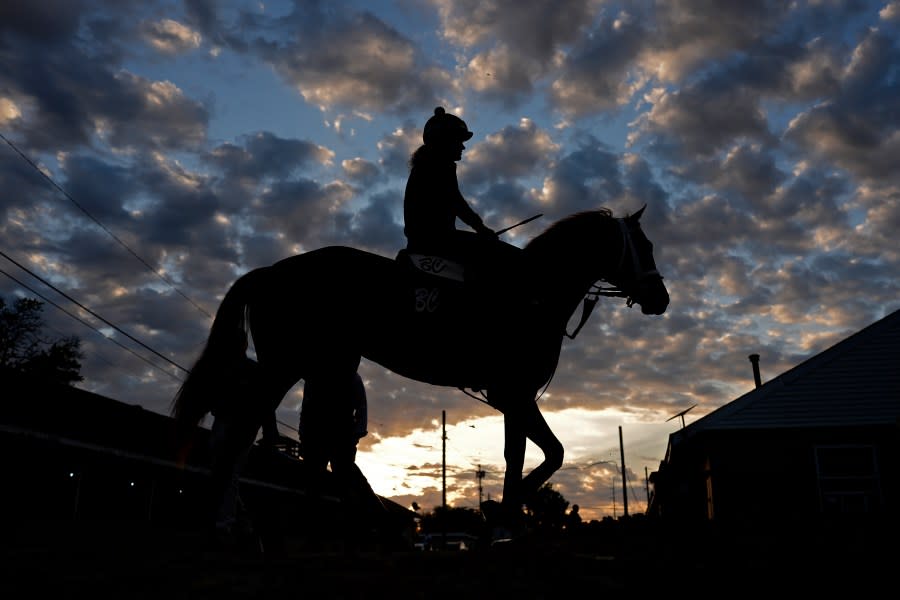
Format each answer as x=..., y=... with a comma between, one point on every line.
x=194, y=140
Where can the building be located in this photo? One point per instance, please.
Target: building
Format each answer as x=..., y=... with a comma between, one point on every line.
x=70, y=455
x=814, y=450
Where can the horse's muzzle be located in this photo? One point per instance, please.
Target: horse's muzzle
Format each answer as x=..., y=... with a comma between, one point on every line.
x=654, y=310
x=654, y=298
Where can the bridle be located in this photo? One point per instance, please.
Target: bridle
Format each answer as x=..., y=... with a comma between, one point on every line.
x=638, y=274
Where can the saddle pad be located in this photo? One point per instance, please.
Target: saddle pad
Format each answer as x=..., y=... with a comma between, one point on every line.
x=437, y=265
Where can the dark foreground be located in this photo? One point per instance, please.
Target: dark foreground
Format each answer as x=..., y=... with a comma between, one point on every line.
x=116, y=560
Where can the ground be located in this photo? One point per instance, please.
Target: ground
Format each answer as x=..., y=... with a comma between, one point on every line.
x=121, y=560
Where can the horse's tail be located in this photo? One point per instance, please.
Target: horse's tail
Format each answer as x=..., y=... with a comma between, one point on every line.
x=226, y=346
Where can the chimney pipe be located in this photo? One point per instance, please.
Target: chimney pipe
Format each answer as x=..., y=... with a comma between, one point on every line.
x=754, y=359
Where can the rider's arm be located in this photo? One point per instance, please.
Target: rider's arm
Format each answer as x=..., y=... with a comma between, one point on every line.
x=469, y=216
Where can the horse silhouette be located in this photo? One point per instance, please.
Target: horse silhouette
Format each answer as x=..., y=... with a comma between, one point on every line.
x=315, y=315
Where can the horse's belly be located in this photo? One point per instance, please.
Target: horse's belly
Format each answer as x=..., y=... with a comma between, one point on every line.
x=441, y=349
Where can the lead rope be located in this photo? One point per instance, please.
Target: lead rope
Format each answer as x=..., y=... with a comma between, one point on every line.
x=590, y=301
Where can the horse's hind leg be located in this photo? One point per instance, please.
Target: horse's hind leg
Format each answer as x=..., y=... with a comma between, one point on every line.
x=230, y=441
x=522, y=421
x=537, y=430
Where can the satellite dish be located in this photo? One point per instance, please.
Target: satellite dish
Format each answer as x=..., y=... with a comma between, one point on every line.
x=681, y=414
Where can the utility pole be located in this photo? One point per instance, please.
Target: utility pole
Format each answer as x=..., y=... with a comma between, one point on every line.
x=624, y=484
x=647, y=485
x=444, y=479
x=479, y=474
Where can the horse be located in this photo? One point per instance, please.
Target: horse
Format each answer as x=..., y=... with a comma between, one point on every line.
x=315, y=315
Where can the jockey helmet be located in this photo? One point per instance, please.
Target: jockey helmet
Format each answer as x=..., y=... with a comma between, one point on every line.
x=442, y=128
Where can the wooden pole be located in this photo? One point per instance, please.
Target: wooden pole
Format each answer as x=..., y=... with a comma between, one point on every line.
x=444, y=479
x=624, y=483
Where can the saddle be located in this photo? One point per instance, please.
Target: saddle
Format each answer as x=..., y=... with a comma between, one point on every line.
x=440, y=284
x=434, y=283
x=433, y=266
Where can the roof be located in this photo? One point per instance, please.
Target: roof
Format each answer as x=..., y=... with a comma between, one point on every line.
x=854, y=382
x=71, y=418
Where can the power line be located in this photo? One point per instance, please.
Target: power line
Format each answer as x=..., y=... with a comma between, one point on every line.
x=126, y=334
x=61, y=334
x=103, y=227
x=121, y=243
x=82, y=306
x=86, y=324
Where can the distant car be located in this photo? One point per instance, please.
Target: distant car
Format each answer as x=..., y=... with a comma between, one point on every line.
x=456, y=541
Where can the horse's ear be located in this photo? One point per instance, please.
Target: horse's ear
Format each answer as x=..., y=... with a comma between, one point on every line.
x=637, y=216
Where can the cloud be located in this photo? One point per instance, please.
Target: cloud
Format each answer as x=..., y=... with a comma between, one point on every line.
x=857, y=129
x=396, y=147
x=361, y=170
x=335, y=58
x=745, y=172
x=702, y=119
x=377, y=224
x=303, y=210
x=513, y=44
x=157, y=113
x=502, y=74
x=510, y=153
x=584, y=179
x=48, y=21
x=534, y=29
x=599, y=73
x=688, y=34
x=73, y=96
x=9, y=112
x=890, y=12
x=760, y=135
x=266, y=155
x=170, y=37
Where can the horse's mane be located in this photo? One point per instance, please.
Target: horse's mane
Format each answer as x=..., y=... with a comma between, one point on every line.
x=567, y=229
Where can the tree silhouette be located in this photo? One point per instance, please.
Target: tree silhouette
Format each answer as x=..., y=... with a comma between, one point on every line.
x=24, y=347
x=452, y=518
x=546, y=510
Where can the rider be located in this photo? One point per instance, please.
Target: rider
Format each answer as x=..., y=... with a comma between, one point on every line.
x=333, y=418
x=432, y=201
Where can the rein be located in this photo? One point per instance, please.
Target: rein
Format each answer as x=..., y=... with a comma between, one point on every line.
x=590, y=301
x=595, y=291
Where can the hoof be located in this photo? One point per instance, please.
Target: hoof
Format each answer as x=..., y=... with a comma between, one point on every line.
x=504, y=524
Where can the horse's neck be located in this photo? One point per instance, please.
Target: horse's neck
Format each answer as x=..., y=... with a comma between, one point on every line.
x=565, y=300
x=559, y=287
x=566, y=278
